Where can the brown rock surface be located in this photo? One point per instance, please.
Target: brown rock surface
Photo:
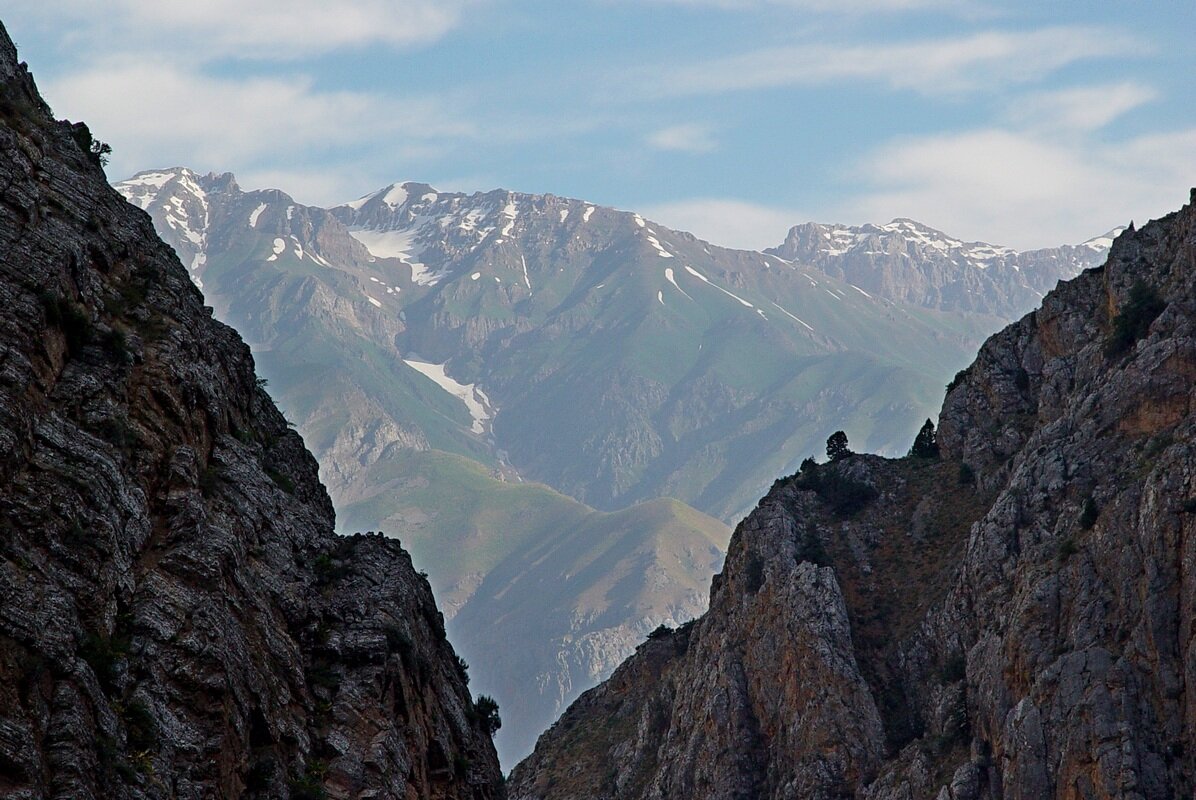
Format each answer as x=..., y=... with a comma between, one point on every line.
x=1021, y=628
x=177, y=618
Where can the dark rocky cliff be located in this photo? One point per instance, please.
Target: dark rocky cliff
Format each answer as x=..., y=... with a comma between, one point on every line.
x=1011, y=620
x=177, y=618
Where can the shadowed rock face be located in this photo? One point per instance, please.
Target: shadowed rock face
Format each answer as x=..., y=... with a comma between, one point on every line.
x=1021, y=627
x=177, y=618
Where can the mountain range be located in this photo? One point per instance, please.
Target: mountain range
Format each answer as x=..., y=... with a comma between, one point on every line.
x=543, y=353
x=1007, y=613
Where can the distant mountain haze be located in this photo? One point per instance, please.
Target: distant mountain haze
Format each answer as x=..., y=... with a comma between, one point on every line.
x=670, y=350
x=496, y=375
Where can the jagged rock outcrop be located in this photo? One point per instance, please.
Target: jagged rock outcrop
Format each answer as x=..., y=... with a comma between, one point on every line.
x=1011, y=620
x=177, y=618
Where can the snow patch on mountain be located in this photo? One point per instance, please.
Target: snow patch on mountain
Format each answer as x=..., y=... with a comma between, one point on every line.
x=671, y=278
x=398, y=244
x=1104, y=241
x=652, y=240
x=526, y=279
x=708, y=282
x=475, y=400
x=793, y=317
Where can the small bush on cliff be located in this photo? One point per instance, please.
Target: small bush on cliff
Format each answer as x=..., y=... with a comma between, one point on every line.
x=1133, y=321
x=97, y=151
x=926, y=443
x=845, y=495
x=282, y=481
x=462, y=669
x=310, y=785
x=116, y=344
x=954, y=669
x=661, y=631
x=64, y=315
x=836, y=446
x=140, y=726
x=485, y=713
x=103, y=654
x=1021, y=379
x=811, y=549
x=1067, y=549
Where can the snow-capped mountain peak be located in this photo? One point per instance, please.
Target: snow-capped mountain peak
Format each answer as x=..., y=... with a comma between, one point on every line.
x=906, y=259
x=184, y=207
x=1105, y=240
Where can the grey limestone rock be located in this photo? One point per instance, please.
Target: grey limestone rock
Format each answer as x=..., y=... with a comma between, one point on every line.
x=177, y=617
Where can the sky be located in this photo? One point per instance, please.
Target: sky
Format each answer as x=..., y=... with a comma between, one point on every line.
x=1027, y=124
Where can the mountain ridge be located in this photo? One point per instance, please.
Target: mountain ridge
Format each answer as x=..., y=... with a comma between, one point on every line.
x=908, y=260
x=475, y=319
x=1009, y=618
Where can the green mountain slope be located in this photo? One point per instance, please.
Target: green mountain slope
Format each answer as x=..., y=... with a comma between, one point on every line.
x=511, y=562
x=616, y=355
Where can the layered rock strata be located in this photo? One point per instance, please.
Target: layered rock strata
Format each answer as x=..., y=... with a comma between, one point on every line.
x=177, y=618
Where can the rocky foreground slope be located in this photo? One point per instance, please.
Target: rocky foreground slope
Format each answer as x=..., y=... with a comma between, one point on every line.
x=177, y=618
x=1013, y=619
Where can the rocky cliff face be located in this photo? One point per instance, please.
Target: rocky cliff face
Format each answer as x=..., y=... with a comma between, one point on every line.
x=177, y=618
x=1011, y=620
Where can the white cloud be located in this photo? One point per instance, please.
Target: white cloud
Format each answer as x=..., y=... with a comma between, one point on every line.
x=689, y=138
x=1084, y=108
x=839, y=6
x=984, y=60
x=1025, y=189
x=729, y=223
x=257, y=29
x=158, y=116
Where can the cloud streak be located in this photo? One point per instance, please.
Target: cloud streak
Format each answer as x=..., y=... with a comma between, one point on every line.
x=984, y=60
x=832, y=6
x=688, y=138
x=1022, y=188
x=157, y=115
x=727, y=222
x=1085, y=108
x=263, y=29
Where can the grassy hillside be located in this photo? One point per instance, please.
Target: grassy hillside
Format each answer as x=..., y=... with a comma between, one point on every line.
x=461, y=522
x=576, y=589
